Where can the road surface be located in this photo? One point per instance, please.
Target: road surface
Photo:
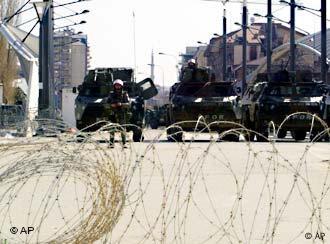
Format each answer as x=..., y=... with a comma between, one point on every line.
x=194, y=192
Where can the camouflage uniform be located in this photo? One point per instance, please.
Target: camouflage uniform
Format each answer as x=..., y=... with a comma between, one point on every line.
x=119, y=115
x=188, y=74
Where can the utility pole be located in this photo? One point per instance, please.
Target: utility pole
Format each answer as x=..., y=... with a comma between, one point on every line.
x=293, y=39
x=324, y=67
x=244, y=27
x=152, y=66
x=46, y=61
x=224, y=47
x=269, y=39
x=134, y=46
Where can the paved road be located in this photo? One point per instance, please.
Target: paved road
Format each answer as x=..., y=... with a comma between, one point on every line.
x=220, y=192
x=238, y=192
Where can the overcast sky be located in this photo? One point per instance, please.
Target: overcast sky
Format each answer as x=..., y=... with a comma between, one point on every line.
x=165, y=26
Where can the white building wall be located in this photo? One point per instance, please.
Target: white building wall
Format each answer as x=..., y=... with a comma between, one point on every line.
x=78, y=63
x=68, y=106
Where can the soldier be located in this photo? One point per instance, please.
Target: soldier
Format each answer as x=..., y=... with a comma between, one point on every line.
x=188, y=73
x=192, y=64
x=119, y=102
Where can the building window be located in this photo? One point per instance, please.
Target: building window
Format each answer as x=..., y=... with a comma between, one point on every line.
x=253, y=53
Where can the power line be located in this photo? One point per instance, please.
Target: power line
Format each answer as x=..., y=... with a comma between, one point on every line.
x=75, y=13
x=18, y=12
x=27, y=22
x=64, y=6
x=63, y=18
x=240, y=1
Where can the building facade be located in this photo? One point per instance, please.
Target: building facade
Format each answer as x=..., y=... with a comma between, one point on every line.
x=256, y=49
x=71, y=62
x=200, y=56
x=308, y=57
x=71, y=58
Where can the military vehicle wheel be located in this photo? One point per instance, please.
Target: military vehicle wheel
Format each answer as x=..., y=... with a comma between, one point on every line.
x=230, y=137
x=154, y=124
x=137, y=135
x=281, y=134
x=298, y=135
x=263, y=137
x=248, y=136
x=174, y=134
x=313, y=135
x=326, y=138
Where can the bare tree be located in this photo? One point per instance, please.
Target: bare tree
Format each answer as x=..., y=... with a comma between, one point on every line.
x=8, y=60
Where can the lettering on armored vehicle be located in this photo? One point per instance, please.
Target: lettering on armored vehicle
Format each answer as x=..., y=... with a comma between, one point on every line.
x=214, y=117
x=301, y=117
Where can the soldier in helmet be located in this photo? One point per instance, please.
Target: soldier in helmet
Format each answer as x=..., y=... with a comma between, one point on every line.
x=188, y=73
x=192, y=64
x=119, y=102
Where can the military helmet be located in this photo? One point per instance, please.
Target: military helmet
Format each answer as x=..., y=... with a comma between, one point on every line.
x=119, y=82
x=192, y=61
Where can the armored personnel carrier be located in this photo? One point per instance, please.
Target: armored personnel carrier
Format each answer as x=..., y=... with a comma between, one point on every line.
x=92, y=105
x=201, y=96
x=272, y=102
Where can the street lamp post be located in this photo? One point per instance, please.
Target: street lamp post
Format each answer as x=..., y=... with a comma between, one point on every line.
x=170, y=55
x=202, y=43
x=324, y=40
x=244, y=55
x=152, y=66
x=46, y=58
x=269, y=34
x=224, y=40
x=269, y=39
x=293, y=38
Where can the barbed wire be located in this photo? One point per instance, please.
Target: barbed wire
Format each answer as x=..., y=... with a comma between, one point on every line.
x=73, y=188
